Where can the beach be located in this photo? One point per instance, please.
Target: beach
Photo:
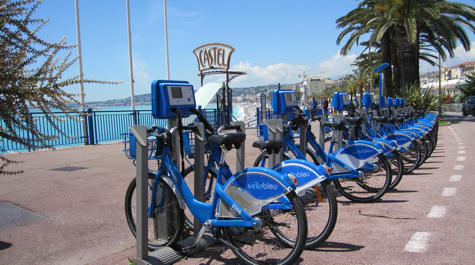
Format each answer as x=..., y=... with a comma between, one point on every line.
x=247, y=111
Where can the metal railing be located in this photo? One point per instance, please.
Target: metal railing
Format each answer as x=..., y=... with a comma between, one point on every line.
x=101, y=126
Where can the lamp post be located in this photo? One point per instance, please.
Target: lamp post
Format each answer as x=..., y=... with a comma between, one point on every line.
x=132, y=94
x=81, y=75
x=439, y=40
x=439, y=108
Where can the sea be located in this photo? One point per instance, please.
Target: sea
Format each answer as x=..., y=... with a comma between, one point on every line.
x=110, y=124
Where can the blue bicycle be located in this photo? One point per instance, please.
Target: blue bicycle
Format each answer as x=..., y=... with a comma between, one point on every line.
x=317, y=195
x=256, y=212
x=361, y=173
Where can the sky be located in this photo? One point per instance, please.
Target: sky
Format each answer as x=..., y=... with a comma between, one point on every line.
x=274, y=41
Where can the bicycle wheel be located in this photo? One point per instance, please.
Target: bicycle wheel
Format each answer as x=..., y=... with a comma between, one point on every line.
x=280, y=239
x=424, y=152
x=261, y=160
x=166, y=206
x=322, y=209
x=320, y=206
x=411, y=157
x=188, y=175
x=430, y=143
x=371, y=186
x=397, y=167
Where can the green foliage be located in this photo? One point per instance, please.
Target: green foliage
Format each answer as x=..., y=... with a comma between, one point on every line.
x=406, y=31
x=469, y=88
x=32, y=76
x=421, y=99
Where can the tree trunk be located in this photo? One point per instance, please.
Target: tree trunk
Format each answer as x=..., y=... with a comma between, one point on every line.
x=386, y=56
x=409, y=62
x=395, y=60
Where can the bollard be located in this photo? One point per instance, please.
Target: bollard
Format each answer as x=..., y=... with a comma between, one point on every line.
x=275, y=133
x=140, y=133
x=199, y=182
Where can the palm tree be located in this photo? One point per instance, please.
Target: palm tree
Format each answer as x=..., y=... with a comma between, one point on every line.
x=468, y=89
x=402, y=27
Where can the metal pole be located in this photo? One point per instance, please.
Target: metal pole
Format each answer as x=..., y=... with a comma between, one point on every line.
x=439, y=108
x=132, y=94
x=81, y=75
x=166, y=36
x=140, y=133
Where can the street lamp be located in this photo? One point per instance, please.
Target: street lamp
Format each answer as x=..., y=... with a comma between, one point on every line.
x=439, y=108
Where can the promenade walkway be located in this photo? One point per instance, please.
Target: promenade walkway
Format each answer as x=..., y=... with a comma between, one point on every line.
x=67, y=208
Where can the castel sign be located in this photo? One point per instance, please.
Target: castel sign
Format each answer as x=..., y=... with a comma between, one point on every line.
x=213, y=56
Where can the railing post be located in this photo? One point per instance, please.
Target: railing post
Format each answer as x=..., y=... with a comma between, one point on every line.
x=137, y=116
x=90, y=127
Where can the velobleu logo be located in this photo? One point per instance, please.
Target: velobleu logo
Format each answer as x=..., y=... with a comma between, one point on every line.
x=301, y=174
x=262, y=186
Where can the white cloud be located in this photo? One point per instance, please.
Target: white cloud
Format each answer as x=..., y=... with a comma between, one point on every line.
x=460, y=56
x=338, y=65
x=141, y=76
x=262, y=75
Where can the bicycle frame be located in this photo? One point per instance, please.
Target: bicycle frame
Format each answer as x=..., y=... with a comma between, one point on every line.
x=208, y=212
x=202, y=211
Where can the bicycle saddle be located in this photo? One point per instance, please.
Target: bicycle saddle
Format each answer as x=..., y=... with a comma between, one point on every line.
x=270, y=146
x=354, y=120
x=228, y=139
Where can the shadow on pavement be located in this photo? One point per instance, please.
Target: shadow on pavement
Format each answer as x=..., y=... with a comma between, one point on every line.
x=402, y=191
x=337, y=247
x=5, y=245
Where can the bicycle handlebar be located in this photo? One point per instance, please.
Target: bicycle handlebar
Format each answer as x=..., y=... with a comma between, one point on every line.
x=207, y=125
x=229, y=127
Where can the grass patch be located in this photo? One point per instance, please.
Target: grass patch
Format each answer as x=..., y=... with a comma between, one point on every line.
x=442, y=121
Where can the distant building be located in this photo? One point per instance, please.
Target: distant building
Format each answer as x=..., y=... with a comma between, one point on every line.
x=450, y=78
x=312, y=85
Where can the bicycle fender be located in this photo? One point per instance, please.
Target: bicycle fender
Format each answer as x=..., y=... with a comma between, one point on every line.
x=403, y=139
x=388, y=146
x=169, y=182
x=307, y=174
x=357, y=154
x=252, y=188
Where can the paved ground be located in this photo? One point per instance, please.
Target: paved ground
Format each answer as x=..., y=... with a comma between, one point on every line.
x=76, y=196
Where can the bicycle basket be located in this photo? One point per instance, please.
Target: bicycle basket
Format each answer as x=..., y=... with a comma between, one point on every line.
x=130, y=147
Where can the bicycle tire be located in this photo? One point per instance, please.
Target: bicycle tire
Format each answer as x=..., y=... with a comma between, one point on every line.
x=270, y=244
x=424, y=152
x=411, y=157
x=360, y=189
x=175, y=222
x=397, y=169
x=430, y=141
x=321, y=208
x=320, y=203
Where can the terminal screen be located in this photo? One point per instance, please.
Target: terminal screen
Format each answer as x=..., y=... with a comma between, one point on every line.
x=176, y=92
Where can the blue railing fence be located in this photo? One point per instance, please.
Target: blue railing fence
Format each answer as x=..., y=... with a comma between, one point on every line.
x=101, y=126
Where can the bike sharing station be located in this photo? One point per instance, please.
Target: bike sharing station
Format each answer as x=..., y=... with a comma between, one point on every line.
x=167, y=96
x=243, y=200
